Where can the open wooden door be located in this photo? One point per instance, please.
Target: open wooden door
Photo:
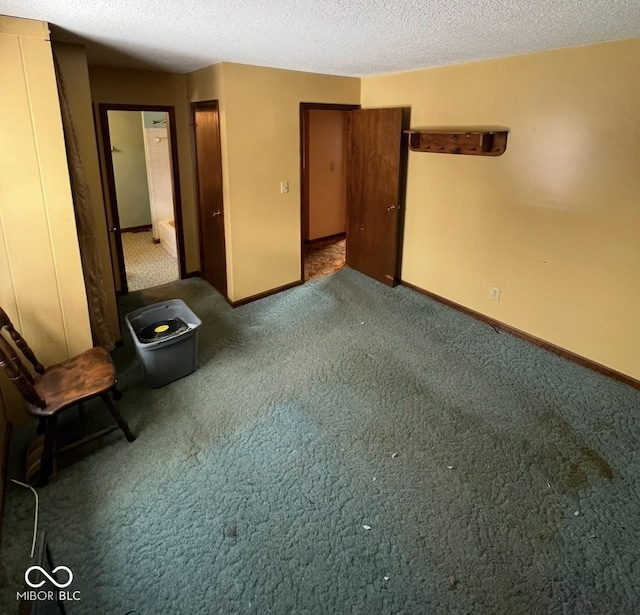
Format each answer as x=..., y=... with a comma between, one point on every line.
x=213, y=261
x=373, y=192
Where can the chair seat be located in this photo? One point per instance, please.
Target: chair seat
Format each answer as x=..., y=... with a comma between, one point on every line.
x=88, y=375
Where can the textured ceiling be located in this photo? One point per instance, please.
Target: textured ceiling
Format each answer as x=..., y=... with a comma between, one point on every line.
x=342, y=37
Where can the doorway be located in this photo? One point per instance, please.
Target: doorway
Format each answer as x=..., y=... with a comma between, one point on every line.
x=351, y=164
x=324, y=137
x=208, y=155
x=144, y=213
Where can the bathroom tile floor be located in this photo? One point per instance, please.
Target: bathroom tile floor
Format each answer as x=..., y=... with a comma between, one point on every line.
x=147, y=263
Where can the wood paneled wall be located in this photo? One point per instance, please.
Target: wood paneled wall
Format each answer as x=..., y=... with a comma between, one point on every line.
x=41, y=282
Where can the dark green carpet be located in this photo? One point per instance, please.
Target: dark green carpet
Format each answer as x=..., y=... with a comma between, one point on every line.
x=495, y=477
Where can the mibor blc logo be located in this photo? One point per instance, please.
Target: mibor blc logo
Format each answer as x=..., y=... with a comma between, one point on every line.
x=36, y=581
x=44, y=573
x=36, y=577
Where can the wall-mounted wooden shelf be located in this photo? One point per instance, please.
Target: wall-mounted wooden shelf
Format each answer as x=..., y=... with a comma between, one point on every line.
x=454, y=141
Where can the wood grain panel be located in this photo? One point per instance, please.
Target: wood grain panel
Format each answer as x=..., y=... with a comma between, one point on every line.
x=374, y=184
x=56, y=192
x=41, y=283
x=473, y=143
x=23, y=214
x=210, y=200
x=72, y=62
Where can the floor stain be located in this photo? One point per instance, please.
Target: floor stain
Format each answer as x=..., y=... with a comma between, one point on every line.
x=582, y=463
x=597, y=462
x=578, y=478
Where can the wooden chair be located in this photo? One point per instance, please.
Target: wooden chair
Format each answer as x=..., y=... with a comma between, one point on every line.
x=58, y=387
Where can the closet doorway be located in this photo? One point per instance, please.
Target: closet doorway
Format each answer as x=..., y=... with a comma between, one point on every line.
x=208, y=157
x=144, y=214
x=352, y=178
x=324, y=139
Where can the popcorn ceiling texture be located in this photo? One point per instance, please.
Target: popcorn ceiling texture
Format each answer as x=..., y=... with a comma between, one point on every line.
x=342, y=37
x=333, y=406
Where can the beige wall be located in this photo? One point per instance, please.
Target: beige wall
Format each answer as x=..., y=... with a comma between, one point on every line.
x=140, y=87
x=554, y=221
x=260, y=117
x=327, y=173
x=129, y=168
x=41, y=281
x=72, y=63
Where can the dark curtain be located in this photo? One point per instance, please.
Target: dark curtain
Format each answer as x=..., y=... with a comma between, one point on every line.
x=92, y=263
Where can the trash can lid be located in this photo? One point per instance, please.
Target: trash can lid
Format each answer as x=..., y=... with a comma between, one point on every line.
x=162, y=329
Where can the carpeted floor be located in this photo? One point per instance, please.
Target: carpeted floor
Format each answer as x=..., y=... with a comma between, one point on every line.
x=345, y=447
x=147, y=264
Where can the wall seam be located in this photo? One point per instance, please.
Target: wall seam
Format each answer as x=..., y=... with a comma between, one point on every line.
x=4, y=234
x=44, y=199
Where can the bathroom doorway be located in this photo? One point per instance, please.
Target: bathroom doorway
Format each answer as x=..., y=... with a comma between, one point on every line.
x=141, y=168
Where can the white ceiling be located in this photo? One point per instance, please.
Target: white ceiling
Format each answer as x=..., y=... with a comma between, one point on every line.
x=342, y=37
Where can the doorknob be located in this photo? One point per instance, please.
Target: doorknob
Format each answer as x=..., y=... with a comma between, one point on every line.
x=217, y=213
x=113, y=229
x=392, y=208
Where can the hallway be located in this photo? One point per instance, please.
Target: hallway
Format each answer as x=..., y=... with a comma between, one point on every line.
x=324, y=257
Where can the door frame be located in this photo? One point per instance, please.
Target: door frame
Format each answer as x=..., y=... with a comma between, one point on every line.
x=111, y=199
x=305, y=107
x=215, y=105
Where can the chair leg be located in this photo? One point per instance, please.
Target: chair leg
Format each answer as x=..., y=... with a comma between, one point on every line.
x=116, y=392
x=46, y=461
x=82, y=415
x=118, y=417
x=42, y=426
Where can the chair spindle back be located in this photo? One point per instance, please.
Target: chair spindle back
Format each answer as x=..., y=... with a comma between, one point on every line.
x=5, y=323
x=19, y=374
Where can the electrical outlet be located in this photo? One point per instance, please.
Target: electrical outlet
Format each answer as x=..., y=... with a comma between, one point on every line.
x=495, y=293
x=284, y=187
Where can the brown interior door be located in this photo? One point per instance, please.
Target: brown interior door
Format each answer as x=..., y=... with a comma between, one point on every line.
x=374, y=192
x=209, y=177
